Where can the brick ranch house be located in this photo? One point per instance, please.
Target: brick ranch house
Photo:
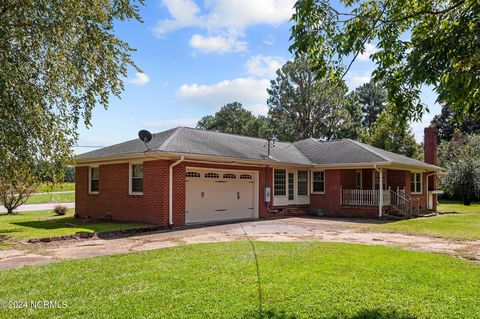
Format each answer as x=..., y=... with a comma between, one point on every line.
x=196, y=176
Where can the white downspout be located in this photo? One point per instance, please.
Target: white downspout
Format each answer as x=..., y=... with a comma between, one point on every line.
x=380, y=199
x=170, y=190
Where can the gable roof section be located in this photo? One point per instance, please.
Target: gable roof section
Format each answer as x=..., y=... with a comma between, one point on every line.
x=310, y=151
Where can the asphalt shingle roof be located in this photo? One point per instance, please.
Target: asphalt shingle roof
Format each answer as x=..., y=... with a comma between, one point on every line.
x=308, y=152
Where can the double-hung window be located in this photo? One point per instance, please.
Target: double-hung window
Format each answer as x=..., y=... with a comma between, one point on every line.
x=94, y=182
x=416, y=183
x=136, y=179
x=279, y=182
x=318, y=182
x=302, y=183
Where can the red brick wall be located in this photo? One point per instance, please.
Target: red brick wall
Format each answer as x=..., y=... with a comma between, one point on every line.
x=396, y=178
x=114, y=199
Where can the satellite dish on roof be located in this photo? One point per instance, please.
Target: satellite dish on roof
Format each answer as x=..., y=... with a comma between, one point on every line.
x=145, y=136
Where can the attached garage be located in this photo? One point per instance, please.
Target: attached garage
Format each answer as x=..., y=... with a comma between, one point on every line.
x=216, y=195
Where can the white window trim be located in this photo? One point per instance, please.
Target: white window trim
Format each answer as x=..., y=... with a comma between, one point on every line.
x=361, y=178
x=415, y=181
x=130, y=172
x=286, y=183
x=308, y=186
x=311, y=181
x=90, y=180
x=384, y=175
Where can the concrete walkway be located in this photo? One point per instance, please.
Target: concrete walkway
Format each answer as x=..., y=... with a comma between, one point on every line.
x=282, y=230
x=33, y=207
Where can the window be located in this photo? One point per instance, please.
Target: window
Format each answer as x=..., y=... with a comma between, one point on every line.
x=279, y=182
x=192, y=174
x=302, y=183
x=416, y=182
x=229, y=176
x=245, y=176
x=94, y=180
x=376, y=180
x=211, y=175
x=318, y=182
x=136, y=176
x=358, y=179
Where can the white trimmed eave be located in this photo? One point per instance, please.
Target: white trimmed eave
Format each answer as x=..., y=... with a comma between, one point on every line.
x=159, y=155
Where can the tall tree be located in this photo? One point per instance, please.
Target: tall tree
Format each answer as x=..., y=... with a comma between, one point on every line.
x=372, y=99
x=233, y=118
x=59, y=59
x=302, y=106
x=461, y=158
x=432, y=42
x=392, y=135
x=447, y=125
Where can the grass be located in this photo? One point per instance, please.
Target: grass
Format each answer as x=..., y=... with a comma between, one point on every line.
x=27, y=225
x=298, y=280
x=464, y=225
x=59, y=187
x=447, y=206
x=51, y=198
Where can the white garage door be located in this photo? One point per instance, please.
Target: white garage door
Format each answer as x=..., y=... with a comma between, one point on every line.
x=213, y=195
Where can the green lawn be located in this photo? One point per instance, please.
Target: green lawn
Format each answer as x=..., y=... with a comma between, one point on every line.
x=51, y=198
x=465, y=225
x=298, y=280
x=27, y=225
x=60, y=187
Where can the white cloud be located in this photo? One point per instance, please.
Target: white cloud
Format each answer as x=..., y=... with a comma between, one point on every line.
x=140, y=79
x=252, y=93
x=184, y=13
x=355, y=80
x=228, y=18
x=264, y=66
x=191, y=122
x=369, y=50
x=218, y=44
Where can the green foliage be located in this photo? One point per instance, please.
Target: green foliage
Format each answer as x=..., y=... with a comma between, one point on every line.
x=234, y=119
x=421, y=42
x=301, y=106
x=392, y=135
x=461, y=158
x=446, y=124
x=372, y=100
x=219, y=280
x=59, y=59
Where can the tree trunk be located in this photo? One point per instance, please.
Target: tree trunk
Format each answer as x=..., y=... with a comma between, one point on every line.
x=9, y=210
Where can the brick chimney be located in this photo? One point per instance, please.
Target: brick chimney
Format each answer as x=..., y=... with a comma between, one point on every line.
x=430, y=145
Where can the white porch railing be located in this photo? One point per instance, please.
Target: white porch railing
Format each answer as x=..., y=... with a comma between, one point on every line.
x=364, y=197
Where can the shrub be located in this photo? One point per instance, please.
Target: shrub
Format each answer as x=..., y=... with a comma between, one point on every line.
x=60, y=210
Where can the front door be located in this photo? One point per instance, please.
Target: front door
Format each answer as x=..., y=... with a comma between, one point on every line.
x=291, y=187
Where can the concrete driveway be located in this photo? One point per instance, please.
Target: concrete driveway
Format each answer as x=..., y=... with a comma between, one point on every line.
x=287, y=229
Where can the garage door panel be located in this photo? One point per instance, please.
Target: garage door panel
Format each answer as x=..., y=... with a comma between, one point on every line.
x=213, y=199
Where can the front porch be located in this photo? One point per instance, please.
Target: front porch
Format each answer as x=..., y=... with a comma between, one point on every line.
x=400, y=192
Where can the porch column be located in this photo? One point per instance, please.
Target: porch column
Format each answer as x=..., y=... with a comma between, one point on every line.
x=380, y=200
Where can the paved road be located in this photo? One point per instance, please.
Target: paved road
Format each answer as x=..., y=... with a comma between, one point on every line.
x=32, y=207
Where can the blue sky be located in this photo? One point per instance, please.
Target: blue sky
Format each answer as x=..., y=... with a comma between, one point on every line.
x=197, y=56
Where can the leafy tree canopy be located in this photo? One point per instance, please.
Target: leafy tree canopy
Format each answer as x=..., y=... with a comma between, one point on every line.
x=58, y=60
x=392, y=135
x=447, y=125
x=432, y=42
x=302, y=106
x=461, y=158
x=234, y=119
x=372, y=99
